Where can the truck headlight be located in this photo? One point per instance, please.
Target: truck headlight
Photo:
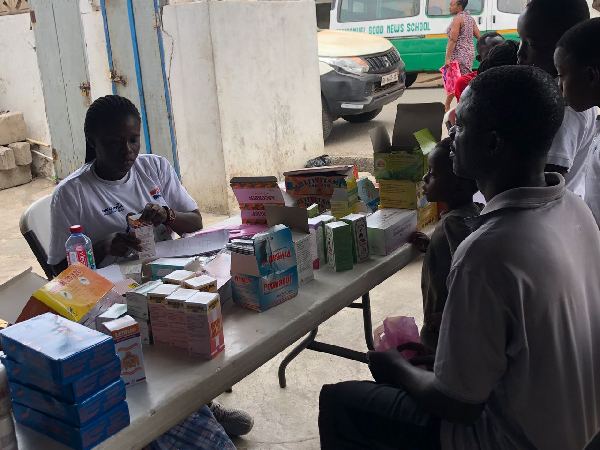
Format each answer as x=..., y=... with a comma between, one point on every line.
x=353, y=65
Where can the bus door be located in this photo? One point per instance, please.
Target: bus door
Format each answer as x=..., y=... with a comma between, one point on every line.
x=503, y=16
x=437, y=14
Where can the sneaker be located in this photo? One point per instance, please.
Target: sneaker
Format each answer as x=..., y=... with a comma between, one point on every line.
x=235, y=422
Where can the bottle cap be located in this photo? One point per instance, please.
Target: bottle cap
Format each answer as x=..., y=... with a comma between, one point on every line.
x=76, y=229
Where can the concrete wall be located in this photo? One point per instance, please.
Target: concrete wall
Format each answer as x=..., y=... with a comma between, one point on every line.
x=20, y=84
x=244, y=83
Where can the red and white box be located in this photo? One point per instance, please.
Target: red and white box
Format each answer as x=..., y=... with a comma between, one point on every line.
x=204, y=325
x=126, y=333
x=175, y=304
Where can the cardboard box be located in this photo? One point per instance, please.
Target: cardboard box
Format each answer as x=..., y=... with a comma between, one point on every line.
x=339, y=246
x=203, y=283
x=144, y=231
x=178, y=277
x=269, y=277
x=389, y=229
x=83, y=438
x=137, y=299
x=74, y=392
x=114, y=312
x=126, y=334
x=204, y=325
x=145, y=331
x=368, y=194
x=315, y=184
x=317, y=245
x=77, y=414
x=175, y=304
x=344, y=200
x=401, y=194
x=252, y=194
x=164, y=266
x=161, y=334
x=427, y=215
x=360, y=239
x=313, y=210
x=62, y=350
x=418, y=127
x=134, y=272
x=302, y=247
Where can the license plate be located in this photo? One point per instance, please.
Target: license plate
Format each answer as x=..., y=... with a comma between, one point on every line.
x=390, y=78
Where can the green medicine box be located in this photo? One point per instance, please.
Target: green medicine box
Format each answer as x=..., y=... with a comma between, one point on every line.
x=339, y=246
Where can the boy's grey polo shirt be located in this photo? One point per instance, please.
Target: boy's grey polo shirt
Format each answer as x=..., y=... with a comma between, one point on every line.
x=521, y=328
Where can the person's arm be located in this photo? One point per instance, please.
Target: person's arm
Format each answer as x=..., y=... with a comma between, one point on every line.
x=554, y=168
x=454, y=32
x=185, y=221
x=476, y=32
x=420, y=385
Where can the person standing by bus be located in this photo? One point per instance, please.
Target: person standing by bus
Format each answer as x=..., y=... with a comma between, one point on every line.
x=460, y=40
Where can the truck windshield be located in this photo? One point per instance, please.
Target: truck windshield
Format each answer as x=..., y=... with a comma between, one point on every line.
x=367, y=10
x=512, y=6
x=442, y=7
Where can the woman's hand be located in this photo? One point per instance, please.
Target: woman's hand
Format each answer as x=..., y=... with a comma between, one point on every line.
x=116, y=244
x=421, y=240
x=154, y=214
x=447, y=63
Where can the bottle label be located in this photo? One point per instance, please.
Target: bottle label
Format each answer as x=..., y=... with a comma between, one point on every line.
x=79, y=255
x=90, y=259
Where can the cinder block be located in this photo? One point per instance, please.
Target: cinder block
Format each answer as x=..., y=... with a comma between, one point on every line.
x=22, y=151
x=12, y=128
x=7, y=158
x=15, y=177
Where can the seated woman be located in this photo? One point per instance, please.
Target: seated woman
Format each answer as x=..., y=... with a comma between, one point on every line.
x=114, y=182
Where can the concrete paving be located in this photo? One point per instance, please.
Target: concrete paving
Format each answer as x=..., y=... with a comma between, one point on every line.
x=284, y=418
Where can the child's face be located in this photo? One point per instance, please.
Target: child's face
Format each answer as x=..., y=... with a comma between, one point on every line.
x=577, y=82
x=440, y=180
x=537, y=42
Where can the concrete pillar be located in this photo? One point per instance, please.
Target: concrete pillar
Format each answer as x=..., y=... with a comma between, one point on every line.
x=245, y=92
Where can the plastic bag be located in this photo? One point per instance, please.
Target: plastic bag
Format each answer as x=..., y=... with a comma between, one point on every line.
x=450, y=75
x=396, y=331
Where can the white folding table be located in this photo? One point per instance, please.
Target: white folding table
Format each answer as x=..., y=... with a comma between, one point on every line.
x=178, y=385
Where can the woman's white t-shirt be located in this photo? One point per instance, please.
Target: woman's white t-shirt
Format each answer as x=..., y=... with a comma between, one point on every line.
x=101, y=206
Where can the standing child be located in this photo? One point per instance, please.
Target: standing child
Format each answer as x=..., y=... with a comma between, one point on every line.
x=577, y=60
x=442, y=185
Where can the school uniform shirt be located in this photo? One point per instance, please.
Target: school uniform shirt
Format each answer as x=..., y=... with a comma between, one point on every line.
x=520, y=329
x=571, y=147
x=449, y=233
x=592, y=175
x=101, y=206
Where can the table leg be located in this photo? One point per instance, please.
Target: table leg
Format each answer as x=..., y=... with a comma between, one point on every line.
x=295, y=352
x=366, y=302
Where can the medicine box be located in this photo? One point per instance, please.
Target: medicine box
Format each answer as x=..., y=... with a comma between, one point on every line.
x=427, y=215
x=175, y=304
x=252, y=194
x=368, y=193
x=304, y=260
x=360, y=239
x=73, y=392
x=344, y=200
x=313, y=210
x=161, y=334
x=401, y=194
x=137, y=299
x=315, y=184
x=317, y=244
x=126, y=334
x=83, y=438
x=144, y=231
x=113, y=312
x=75, y=414
x=203, y=283
x=388, y=229
x=62, y=350
x=164, y=266
x=339, y=246
x=178, y=277
x=145, y=330
x=204, y=325
x=270, y=276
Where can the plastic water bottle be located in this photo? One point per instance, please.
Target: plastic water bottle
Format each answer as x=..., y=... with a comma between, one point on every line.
x=79, y=248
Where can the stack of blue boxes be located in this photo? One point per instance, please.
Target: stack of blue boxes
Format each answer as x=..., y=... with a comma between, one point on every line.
x=65, y=380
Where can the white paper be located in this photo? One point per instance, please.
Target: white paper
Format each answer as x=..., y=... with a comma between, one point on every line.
x=193, y=246
x=111, y=273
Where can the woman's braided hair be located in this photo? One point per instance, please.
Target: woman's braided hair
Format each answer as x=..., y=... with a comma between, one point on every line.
x=462, y=3
x=504, y=54
x=103, y=110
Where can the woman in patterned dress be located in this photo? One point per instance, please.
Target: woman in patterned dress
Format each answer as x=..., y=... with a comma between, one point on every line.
x=460, y=40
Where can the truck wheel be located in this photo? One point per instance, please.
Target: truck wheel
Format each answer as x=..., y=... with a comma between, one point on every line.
x=327, y=120
x=364, y=117
x=410, y=79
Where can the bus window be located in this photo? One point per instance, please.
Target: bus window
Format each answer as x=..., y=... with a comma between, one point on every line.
x=442, y=7
x=367, y=10
x=512, y=6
